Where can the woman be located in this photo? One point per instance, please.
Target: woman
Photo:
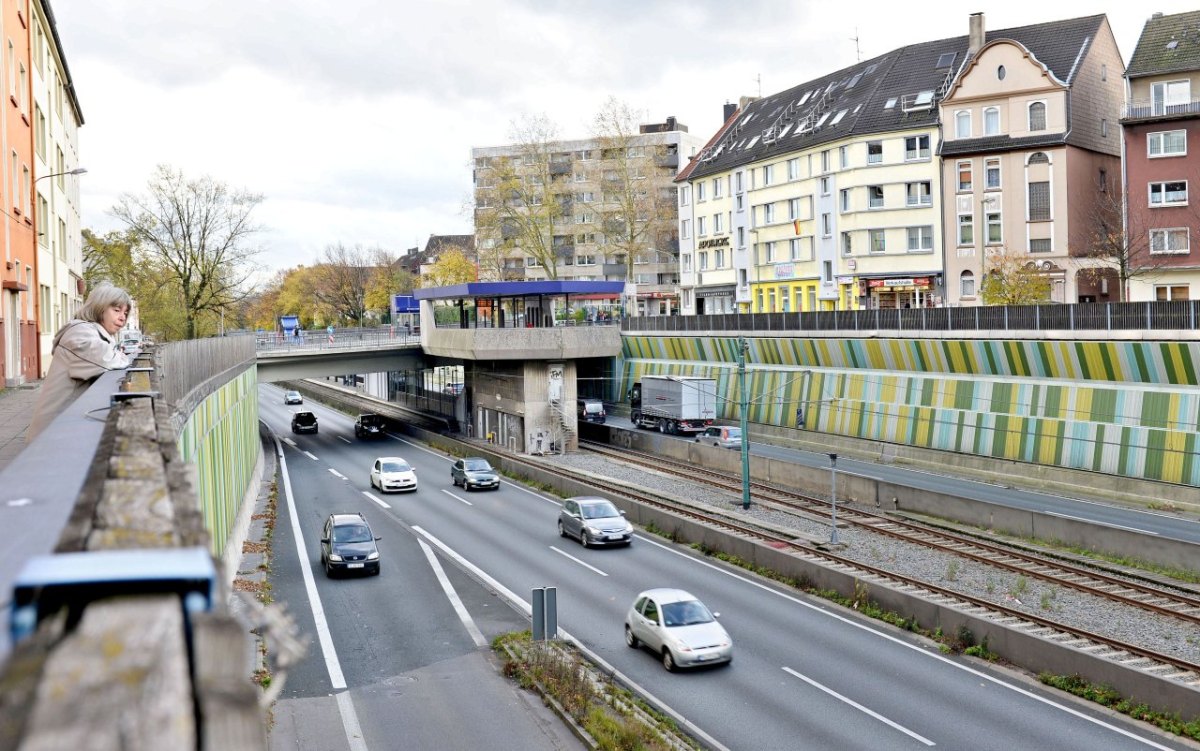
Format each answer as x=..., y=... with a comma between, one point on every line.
x=83, y=349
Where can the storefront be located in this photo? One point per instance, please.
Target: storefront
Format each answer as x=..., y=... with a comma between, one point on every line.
x=715, y=300
x=899, y=292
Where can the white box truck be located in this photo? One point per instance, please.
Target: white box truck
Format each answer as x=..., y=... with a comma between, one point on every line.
x=673, y=404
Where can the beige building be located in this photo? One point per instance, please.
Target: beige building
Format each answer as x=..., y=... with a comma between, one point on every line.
x=1031, y=144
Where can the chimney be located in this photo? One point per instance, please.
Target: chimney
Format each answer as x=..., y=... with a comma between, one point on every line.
x=976, y=37
x=730, y=108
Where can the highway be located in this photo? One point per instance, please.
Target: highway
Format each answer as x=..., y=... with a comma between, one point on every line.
x=805, y=674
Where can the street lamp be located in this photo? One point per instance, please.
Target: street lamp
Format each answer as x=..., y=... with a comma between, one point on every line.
x=744, y=409
x=833, y=538
x=76, y=171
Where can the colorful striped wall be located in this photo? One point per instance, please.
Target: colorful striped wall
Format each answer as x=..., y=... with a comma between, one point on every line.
x=1124, y=408
x=221, y=440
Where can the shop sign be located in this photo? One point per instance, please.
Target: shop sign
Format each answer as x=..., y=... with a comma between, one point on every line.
x=715, y=242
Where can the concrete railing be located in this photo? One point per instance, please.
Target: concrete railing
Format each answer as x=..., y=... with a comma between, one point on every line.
x=120, y=633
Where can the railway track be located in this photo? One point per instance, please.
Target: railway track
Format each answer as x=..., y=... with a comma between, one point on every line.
x=1180, y=605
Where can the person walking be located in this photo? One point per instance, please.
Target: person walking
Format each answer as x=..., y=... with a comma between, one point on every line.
x=83, y=349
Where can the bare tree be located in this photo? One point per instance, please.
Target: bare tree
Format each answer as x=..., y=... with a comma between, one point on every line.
x=342, y=279
x=197, y=233
x=638, y=201
x=1120, y=246
x=520, y=201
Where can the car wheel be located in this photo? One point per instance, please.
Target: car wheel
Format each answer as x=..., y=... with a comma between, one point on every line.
x=631, y=641
x=668, y=660
x=377, y=570
x=328, y=570
x=561, y=532
x=585, y=539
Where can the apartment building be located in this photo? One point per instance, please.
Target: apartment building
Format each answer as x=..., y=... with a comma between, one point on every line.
x=18, y=276
x=1031, y=157
x=1161, y=119
x=595, y=209
x=56, y=122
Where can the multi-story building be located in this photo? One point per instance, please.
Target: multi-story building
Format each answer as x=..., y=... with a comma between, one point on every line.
x=56, y=122
x=1031, y=156
x=1161, y=120
x=18, y=276
x=596, y=209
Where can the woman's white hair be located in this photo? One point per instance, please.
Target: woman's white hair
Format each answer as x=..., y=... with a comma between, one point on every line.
x=101, y=299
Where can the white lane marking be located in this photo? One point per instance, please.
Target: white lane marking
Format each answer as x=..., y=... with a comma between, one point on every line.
x=354, y=733
x=455, y=497
x=343, y=438
x=1100, y=524
x=527, y=609
x=311, y=456
x=290, y=442
x=373, y=498
x=565, y=554
x=337, y=474
x=448, y=588
x=354, y=736
x=914, y=647
x=860, y=707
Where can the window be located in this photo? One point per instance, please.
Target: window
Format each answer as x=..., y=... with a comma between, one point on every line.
x=1001, y=72
x=1039, y=202
x=1037, y=116
x=1166, y=292
x=793, y=169
x=916, y=147
x=737, y=182
x=685, y=229
x=995, y=234
x=1103, y=128
x=701, y=230
x=991, y=121
x=847, y=246
x=1167, y=143
x=768, y=213
x=964, y=177
x=991, y=169
x=768, y=175
x=962, y=124
x=966, y=284
x=844, y=156
x=1169, y=240
x=685, y=195
x=718, y=258
x=875, y=196
x=769, y=252
x=1167, y=97
x=966, y=229
x=920, y=238
x=716, y=185
x=1038, y=157
x=1172, y=193
x=826, y=225
x=741, y=237
x=795, y=250
x=699, y=192
x=827, y=271
x=825, y=161
x=874, y=152
x=918, y=194
x=844, y=202
x=793, y=208
x=1102, y=181
x=718, y=225
x=1040, y=246
x=824, y=186
x=877, y=240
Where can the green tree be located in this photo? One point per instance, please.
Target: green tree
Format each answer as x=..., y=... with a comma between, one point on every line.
x=388, y=279
x=452, y=267
x=196, y=233
x=1012, y=278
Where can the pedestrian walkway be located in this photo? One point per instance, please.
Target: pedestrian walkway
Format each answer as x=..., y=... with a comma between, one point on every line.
x=16, y=409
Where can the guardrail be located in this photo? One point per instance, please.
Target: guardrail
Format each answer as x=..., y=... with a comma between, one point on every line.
x=1171, y=316
x=117, y=633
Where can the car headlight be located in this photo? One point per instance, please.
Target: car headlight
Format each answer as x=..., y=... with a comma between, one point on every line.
x=373, y=556
x=334, y=557
x=593, y=530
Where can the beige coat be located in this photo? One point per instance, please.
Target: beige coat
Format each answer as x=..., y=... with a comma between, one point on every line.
x=82, y=351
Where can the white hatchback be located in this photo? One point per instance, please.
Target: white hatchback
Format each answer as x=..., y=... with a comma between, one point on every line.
x=391, y=473
x=678, y=628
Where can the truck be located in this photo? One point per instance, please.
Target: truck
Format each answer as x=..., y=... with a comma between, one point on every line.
x=673, y=404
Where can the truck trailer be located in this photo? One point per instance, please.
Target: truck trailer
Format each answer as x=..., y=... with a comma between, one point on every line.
x=673, y=404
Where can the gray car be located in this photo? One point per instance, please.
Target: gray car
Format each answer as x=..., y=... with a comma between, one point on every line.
x=594, y=521
x=474, y=473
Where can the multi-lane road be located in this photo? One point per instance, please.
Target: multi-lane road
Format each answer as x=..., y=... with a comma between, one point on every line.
x=399, y=660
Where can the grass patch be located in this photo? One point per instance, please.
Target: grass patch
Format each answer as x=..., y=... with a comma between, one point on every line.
x=1106, y=696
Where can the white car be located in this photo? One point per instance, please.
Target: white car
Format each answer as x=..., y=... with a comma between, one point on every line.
x=391, y=473
x=678, y=628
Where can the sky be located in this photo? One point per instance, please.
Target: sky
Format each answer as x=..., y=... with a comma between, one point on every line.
x=355, y=119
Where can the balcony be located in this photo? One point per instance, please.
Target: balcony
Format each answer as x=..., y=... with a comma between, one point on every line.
x=560, y=168
x=1149, y=109
x=667, y=160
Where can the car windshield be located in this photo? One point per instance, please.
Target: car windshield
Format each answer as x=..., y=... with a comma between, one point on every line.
x=477, y=465
x=686, y=613
x=735, y=432
x=352, y=533
x=370, y=420
x=396, y=467
x=599, y=510
x=305, y=417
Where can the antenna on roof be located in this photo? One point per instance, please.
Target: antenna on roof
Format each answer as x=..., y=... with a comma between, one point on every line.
x=758, y=78
x=857, y=49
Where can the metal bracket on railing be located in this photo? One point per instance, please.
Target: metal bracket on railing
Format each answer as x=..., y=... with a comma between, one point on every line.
x=124, y=396
x=49, y=583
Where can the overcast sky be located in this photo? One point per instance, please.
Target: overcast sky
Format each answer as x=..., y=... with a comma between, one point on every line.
x=355, y=119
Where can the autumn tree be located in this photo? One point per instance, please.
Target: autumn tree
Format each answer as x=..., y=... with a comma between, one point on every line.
x=521, y=200
x=197, y=234
x=108, y=258
x=1012, y=278
x=341, y=279
x=1120, y=243
x=637, y=208
x=453, y=266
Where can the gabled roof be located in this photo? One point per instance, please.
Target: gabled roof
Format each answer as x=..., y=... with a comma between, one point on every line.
x=1168, y=44
x=806, y=116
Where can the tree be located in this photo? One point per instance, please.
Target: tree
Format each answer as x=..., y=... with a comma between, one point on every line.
x=196, y=233
x=452, y=267
x=341, y=280
x=388, y=279
x=637, y=209
x=108, y=258
x=1120, y=246
x=1012, y=278
x=521, y=200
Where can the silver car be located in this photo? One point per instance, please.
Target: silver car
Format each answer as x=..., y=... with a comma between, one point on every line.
x=594, y=521
x=678, y=628
x=473, y=473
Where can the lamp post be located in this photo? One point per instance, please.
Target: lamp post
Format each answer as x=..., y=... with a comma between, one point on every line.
x=744, y=408
x=833, y=538
x=37, y=234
